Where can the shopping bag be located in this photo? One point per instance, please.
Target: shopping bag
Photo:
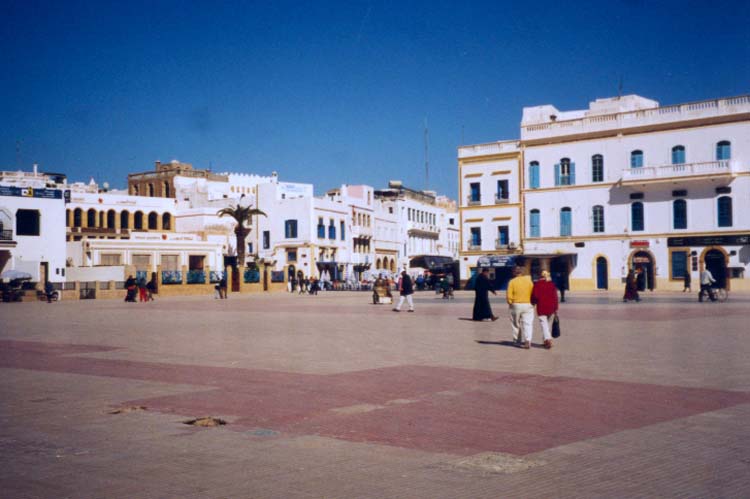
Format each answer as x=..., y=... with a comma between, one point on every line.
x=556, y=327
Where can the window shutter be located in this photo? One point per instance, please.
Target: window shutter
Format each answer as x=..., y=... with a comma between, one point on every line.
x=557, y=173
x=534, y=176
x=572, y=174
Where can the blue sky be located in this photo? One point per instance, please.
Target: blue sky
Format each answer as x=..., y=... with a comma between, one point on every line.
x=334, y=92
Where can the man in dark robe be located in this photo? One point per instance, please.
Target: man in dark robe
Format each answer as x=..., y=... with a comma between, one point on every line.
x=482, y=288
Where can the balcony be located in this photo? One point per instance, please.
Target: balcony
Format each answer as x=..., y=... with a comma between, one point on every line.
x=473, y=246
x=509, y=146
x=683, y=171
x=501, y=245
x=472, y=201
x=499, y=199
x=6, y=235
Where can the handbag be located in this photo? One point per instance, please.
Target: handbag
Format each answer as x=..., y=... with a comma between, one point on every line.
x=556, y=327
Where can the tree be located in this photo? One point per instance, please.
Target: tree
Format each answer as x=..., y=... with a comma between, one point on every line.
x=241, y=214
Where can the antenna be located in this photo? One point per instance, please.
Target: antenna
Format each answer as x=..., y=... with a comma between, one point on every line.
x=426, y=156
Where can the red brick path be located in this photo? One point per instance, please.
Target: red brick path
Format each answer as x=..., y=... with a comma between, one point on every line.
x=437, y=409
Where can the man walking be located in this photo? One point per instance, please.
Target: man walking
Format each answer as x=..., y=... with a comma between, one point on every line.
x=707, y=279
x=406, y=288
x=521, y=310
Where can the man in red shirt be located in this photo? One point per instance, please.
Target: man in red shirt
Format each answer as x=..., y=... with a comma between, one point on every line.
x=544, y=296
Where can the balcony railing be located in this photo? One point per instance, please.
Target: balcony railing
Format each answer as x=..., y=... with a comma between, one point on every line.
x=645, y=173
x=471, y=201
x=499, y=199
x=6, y=235
x=474, y=246
x=487, y=149
x=500, y=244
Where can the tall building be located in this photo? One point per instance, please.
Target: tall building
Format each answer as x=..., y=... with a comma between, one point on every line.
x=630, y=184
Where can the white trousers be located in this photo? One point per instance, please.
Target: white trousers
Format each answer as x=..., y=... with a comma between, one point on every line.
x=522, y=321
x=401, y=302
x=544, y=321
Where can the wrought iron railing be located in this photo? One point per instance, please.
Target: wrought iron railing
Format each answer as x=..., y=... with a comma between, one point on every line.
x=171, y=277
x=6, y=235
x=196, y=277
x=251, y=275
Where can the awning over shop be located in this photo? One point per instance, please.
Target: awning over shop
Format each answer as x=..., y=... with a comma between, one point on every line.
x=431, y=262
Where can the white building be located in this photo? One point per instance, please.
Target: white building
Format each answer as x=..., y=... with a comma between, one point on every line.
x=32, y=225
x=627, y=183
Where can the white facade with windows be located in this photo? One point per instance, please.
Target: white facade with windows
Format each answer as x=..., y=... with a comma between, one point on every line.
x=627, y=183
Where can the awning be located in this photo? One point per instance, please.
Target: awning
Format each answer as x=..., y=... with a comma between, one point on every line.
x=430, y=262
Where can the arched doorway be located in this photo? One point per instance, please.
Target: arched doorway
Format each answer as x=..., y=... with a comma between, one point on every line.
x=645, y=262
x=715, y=262
x=602, y=273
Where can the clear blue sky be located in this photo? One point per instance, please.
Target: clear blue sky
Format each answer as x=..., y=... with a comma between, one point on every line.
x=333, y=93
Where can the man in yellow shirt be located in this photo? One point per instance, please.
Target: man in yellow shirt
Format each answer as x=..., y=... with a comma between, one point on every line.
x=521, y=309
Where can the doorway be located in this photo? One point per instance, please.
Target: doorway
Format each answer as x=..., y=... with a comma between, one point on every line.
x=602, y=273
x=44, y=272
x=716, y=264
x=643, y=261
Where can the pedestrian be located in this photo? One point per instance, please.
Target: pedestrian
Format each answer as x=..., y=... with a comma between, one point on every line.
x=131, y=289
x=292, y=285
x=142, y=296
x=482, y=288
x=544, y=296
x=631, y=287
x=561, y=281
x=707, y=280
x=223, y=287
x=49, y=290
x=151, y=287
x=518, y=296
x=686, y=281
x=406, y=289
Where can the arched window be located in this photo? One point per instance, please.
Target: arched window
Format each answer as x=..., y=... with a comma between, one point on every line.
x=152, y=220
x=138, y=220
x=723, y=150
x=150, y=190
x=534, y=224
x=377, y=264
x=678, y=155
x=134, y=190
x=724, y=205
x=534, y=175
x=566, y=222
x=125, y=219
x=67, y=218
x=679, y=214
x=91, y=218
x=77, y=217
x=111, y=215
x=636, y=216
x=167, y=193
x=166, y=221
x=597, y=218
x=102, y=218
x=636, y=159
x=565, y=172
x=597, y=168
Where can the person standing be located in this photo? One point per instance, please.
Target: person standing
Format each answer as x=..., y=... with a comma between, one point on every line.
x=521, y=310
x=707, y=279
x=131, y=289
x=544, y=296
x=482, y=288
x=142, y=296
x=686, y=281
x=631, y=286
x=151, y=287
x=406, y=289
x=561, y=281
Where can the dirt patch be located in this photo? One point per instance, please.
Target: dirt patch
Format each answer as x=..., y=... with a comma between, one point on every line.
x=496, y=462
x=206, y=422
x=125, y=410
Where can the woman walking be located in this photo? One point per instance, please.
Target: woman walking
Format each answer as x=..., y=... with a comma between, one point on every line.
x=544, y=296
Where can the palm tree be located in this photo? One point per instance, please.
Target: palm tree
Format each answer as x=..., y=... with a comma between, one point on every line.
x=241, y=214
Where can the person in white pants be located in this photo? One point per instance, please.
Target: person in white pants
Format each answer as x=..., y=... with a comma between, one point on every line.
x=518, y=296
x=406, y=288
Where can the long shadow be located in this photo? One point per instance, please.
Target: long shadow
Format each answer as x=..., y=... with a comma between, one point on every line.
x=505, y=343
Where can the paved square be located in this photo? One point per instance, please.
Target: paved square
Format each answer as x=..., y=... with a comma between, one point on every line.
x=330, y=396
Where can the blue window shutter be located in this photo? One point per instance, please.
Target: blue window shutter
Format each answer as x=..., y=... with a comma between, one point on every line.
x=534, y=176
x=557, y=173
x=572, y=174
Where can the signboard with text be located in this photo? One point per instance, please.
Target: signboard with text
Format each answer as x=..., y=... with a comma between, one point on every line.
x=30, y=192
x=717, y=240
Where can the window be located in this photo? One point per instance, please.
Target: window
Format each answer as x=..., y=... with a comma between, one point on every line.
x=565, y=172
x=502, y=191
x=679, y=264
x=597, y=218
x=78, y=216
x=124, y=219
x=636, y=159
x=291, y=255
x=597, y=168
x=166, y=221
x=165, y=188
x=636, y=216
x=168, y=262
x=91, y=218
x=152, y=220
x=250, y=248
x=475, y=193
x=331, y=229
x=266, y=239
x=476, y=236
x=110, y=259
x=143, y=262
x=534, y=175
x=321, y=229
x=502, y=235
x=566, y=222
x=679, y=214
x=28, y=223
x=723, y=150
x=725, y=211
x=341, y=230
x=534, y=224
x=138, y=220
x=290, y=229
x=678, y=155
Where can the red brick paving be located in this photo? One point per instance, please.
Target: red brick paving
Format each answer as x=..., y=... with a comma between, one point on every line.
x=438, y=409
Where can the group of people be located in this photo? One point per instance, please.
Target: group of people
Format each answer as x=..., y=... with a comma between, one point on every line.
x=523, y=296
x=145, y=290
x=304, y=285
